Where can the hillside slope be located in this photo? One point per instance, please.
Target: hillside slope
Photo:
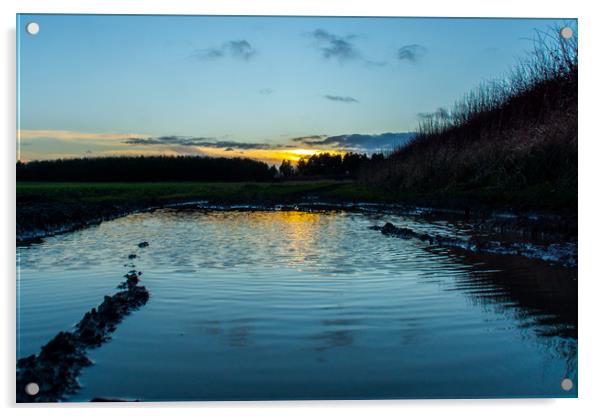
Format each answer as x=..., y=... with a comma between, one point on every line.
x=510, y=143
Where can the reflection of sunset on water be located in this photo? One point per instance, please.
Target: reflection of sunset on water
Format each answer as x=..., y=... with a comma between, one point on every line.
x=299, y=233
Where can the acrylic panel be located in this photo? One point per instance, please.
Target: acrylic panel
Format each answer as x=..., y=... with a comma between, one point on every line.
x=295, y=208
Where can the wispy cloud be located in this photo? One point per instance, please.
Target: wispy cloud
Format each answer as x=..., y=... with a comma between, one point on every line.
x=440, y=113
x=236, y=49
x=340, y=48
x=308, y=139
x=342, y=99
x=411, y=53
x=241, y=49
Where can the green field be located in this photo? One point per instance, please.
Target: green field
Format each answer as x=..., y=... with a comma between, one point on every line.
x=538, y=198
x=165, y=192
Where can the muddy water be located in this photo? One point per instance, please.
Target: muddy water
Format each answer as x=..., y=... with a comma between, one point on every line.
x=295, y=305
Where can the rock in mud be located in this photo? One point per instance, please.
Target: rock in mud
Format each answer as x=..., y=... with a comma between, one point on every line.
x=56, y=367
x=563, y=254
x=406, y=233
x=96, y=325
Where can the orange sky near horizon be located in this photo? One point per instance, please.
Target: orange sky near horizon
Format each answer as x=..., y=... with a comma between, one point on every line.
x=66, y=147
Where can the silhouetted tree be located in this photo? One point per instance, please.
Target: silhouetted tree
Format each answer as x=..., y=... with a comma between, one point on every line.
x=286, y=169
x=377, y=157
x=139, y=169
x=326, y=164
x=352, y=162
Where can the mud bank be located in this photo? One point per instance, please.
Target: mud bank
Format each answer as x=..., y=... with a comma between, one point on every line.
x=35, y=222
x=56, y=368
x=564, y=254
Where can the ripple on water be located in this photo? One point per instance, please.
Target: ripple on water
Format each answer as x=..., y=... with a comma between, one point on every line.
x=252, y=305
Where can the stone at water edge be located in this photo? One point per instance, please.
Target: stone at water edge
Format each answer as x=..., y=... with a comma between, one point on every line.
x=56, y=368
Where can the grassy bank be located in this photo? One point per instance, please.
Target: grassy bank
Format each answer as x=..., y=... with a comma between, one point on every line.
x=510, y=142
x=149, y=193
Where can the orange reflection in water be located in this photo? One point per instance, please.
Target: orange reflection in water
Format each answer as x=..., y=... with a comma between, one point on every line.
x=298, y=234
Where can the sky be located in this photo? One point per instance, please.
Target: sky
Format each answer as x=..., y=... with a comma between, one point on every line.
x=269, y=88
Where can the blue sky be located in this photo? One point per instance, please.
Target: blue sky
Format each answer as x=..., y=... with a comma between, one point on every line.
x=99, y=85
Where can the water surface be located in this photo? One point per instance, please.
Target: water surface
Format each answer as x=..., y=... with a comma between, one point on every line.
x=299, y=305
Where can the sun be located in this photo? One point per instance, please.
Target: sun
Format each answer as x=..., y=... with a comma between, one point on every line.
x=294, y=155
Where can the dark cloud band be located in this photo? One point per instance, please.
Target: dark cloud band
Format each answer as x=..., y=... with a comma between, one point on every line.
x=359, y=142
x=369, y=143
x=198, y=141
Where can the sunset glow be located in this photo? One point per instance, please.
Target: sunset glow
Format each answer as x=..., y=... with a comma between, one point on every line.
x=261, y=94
x=270, y=156
x=73, y=144
x=304, y=152
x=296, y=154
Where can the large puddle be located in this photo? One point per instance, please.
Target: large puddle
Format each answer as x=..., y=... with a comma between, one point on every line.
x=299, y=305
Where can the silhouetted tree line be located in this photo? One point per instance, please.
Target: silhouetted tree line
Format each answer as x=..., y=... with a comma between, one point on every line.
x=145, y=168
x=330, y=165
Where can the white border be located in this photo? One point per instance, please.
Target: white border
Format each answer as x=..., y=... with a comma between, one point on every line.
x=590, y=151
x=467, y=8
